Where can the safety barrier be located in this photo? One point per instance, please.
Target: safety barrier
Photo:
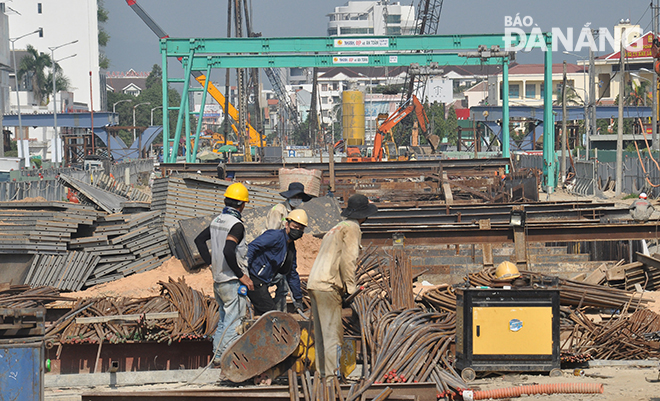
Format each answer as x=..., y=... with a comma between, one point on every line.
x=585, y=178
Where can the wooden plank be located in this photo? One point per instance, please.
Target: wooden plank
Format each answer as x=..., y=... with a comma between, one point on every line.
x=127, y=318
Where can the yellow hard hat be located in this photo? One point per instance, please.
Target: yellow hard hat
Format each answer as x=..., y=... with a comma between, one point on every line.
x=299, y=216
x=506, y=271
x=237, y=191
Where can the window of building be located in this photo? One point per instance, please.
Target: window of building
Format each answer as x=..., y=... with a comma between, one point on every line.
x=603, y=85
x=394, y=30
x=335, y=99
x=332, y=31
x=324, y=100
x=296, y=72
x=542, y=91
x=38, y=8
x=335, y=86
x=393, y=18
x=41, y=32
x=514, y=91
x=324, y=87
x=356, y=31
x=530, y=91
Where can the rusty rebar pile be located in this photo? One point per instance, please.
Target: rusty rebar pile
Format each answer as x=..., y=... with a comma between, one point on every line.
x=198, y=318
x=23, y=296
x=572, y=293
x=404, y=345
x=401, y=280
x=620, y=337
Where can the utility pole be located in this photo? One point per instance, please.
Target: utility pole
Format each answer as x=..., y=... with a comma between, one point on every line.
x=654, y=83
x=227, y=77
x=242, y=95
x=619, y=136
x=563, y=127
x=592, y=98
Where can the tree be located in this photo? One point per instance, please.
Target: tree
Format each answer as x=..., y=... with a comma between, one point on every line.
x=103, y=36
x=34, y=64
x=636, y=95
x=62, y=83
x=572, y=97
x=153, y=94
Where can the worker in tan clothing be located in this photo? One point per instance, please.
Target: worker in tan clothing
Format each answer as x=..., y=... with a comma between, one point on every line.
x=295, y=197
x=276, y=220
x=333, y=277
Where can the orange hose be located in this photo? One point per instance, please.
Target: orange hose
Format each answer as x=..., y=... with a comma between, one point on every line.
x=552, y=388
x=641, y=162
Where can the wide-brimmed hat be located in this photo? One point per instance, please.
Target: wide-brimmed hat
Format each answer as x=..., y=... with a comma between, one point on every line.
x=359, y=207
x=296, y=188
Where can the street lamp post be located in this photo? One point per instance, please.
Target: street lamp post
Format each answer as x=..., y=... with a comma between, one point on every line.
x=18, y=101
x=152, y=114
x=121, y=101
x=56, y=157
x=135, y=107
x=654, y=117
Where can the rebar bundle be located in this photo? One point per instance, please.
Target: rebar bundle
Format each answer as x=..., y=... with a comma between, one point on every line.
x=23, y=296
x=197, y=318
x=621, y=337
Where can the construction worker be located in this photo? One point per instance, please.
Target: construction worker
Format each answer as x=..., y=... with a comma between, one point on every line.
x=275, y=220
x=333, y=277
x=274, y=253
x=295, y=196
x=641, y=209
x=228, y=265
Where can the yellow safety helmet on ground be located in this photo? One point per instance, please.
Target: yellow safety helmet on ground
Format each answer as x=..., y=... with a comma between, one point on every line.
x=299, y=216
x=237, y=191
x=506, y=271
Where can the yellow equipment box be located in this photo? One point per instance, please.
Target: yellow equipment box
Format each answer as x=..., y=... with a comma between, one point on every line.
x=507, y=330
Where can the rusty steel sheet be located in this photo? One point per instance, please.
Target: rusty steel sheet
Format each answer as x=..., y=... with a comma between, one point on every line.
x=469, y=233
x=269, y=341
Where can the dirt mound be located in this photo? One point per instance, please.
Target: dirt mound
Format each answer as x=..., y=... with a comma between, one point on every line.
x=146, y=284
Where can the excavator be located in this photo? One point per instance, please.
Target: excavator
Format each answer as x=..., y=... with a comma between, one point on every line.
x=255, y=137
x=380, y=147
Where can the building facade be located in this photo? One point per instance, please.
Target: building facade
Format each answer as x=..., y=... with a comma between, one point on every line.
x=62, y=22
x=372, y=18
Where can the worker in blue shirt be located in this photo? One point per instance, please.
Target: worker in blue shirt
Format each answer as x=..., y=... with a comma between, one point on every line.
x=271, y=253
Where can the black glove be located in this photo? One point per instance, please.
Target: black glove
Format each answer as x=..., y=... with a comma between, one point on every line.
x=298, y=304
x=345, y=303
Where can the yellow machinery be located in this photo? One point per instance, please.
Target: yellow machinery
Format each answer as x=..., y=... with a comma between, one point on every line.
x=507, y=330
x=352, y=109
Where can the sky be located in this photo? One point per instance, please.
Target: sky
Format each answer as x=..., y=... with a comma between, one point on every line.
x=133, y=45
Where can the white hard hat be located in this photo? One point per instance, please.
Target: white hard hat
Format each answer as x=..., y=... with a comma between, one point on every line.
x=643, y=195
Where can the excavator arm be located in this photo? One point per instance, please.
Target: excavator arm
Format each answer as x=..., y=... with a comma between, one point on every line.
x=413, y=104
x=255, y=137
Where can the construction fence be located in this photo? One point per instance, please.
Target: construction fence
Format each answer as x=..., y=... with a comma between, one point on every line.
x=640, y=174
x=33, y=183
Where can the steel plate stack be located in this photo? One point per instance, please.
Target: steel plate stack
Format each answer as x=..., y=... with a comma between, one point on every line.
x=41, y=227
x=188, y=195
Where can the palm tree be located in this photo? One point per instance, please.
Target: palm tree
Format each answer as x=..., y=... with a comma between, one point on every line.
x=62, y=83
x=637, y=94
x=34, y=64
x=572, y=97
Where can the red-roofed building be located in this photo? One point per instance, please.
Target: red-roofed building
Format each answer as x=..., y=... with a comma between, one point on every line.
x=526, y=84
